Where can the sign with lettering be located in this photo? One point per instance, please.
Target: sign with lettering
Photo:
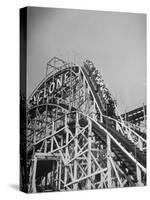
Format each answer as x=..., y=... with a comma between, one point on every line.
x=51, y=86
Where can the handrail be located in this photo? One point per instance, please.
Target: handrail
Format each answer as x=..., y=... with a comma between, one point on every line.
x=122, y=123
x=134, y=126
x=91, y=91
x=118, y=144
x=125, y=127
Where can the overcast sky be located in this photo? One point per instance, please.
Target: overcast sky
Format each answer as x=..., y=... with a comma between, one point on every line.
x=115, y=42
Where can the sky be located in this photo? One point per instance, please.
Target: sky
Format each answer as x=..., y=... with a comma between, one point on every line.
x=115, y=42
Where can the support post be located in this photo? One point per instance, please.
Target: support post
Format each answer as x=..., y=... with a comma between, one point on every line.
x=59, y=181
x=76, y=150
x=108, y=161
x=66, y=151
x=34, y=175
x=89, y=153
x=139, y=177
x=52, y=139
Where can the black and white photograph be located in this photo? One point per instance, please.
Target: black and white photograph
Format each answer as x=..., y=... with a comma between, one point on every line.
x=83, y=106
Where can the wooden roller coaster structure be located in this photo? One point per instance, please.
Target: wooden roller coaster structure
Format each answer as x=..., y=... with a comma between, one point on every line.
x=75, y=138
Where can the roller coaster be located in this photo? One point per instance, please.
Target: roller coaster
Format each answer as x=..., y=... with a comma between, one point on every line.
x=76, y=139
